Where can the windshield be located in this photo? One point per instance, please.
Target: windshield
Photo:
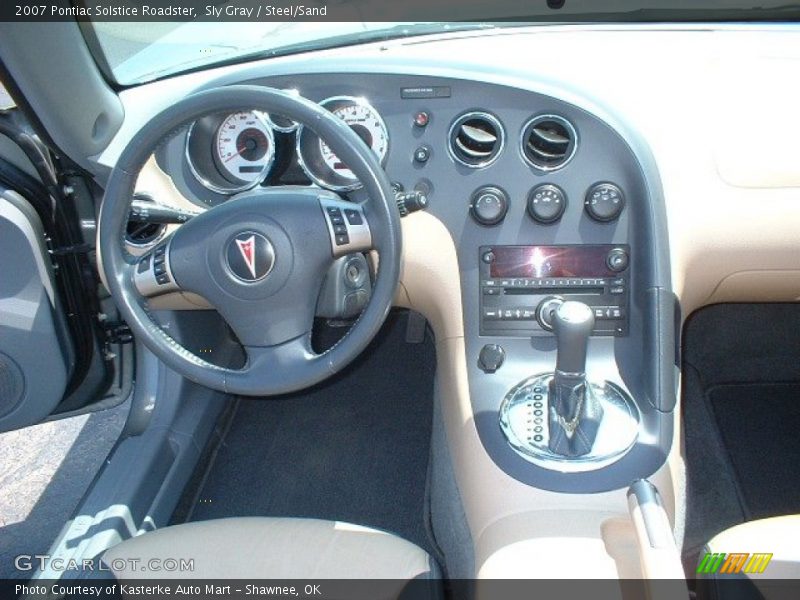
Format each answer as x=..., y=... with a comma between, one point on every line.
x=137, y=52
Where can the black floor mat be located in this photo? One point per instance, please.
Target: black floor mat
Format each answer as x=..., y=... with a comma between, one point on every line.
x=741, y=426
x=354, y=449
x=760, y=427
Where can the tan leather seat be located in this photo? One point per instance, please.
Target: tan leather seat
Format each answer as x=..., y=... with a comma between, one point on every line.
x=744, y=576
x=273, y=548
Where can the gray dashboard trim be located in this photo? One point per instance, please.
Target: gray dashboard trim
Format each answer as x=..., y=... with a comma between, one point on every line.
x=332, y=63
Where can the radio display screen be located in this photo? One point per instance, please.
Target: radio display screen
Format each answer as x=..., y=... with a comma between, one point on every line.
x=550, y=261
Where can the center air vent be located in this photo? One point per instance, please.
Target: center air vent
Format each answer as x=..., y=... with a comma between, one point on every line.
x=476, y=139
x=549, y=142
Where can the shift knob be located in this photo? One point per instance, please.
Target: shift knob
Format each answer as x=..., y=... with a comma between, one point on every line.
x=572, y=323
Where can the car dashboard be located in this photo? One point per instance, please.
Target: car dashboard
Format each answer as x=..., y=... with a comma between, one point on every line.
x=605, y=164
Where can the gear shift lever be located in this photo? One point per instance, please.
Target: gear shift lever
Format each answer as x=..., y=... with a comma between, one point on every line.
x=575, y=413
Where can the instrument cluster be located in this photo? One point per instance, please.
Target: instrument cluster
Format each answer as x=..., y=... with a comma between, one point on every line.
x=233, y=153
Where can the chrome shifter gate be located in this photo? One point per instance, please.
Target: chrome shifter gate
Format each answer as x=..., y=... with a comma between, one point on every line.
x=524, y=421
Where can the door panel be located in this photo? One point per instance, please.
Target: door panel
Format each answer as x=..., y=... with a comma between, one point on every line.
x=36, y=354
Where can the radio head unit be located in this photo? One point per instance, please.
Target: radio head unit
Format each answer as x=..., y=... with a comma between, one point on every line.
x=521, y=285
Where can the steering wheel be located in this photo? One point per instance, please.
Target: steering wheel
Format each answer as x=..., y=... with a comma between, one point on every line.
x=259, y=258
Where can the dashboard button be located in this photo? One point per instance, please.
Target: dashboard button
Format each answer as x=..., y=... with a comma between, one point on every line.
x=491, y=358
x=489, y=205
x=422, y=154
x=604, y=202
x=546, y=203
x=617, y=260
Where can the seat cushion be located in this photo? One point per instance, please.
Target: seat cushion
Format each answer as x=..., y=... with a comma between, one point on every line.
x=273, y=548
x=727, y=577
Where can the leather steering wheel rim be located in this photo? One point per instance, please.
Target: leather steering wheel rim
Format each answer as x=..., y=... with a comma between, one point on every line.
x=272, y=370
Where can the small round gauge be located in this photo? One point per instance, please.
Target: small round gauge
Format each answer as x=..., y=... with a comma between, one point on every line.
x=318, y=160
x=244, y=148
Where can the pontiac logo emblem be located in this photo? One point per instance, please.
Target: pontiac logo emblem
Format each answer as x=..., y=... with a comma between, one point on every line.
x=247, y=248
x=250, y=256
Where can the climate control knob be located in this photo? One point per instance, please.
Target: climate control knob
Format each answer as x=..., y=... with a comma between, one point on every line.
x=604, y=202
x=546, y=203
x=489, y=205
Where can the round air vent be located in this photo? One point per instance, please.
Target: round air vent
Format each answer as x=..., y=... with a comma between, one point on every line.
x=476, y=139
x=549, y=142
x=141, y=233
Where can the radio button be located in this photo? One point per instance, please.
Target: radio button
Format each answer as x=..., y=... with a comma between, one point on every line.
x=491, y=314
x=491, y=291
x=616, y=290
x=615, y=312
x=617, y=260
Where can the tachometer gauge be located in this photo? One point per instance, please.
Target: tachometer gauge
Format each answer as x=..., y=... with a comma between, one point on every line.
x=245, y=148
x=231, y=153
x=317, y=159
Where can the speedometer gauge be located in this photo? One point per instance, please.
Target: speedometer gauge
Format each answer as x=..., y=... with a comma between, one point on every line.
x=320, y=162
x=245, y=148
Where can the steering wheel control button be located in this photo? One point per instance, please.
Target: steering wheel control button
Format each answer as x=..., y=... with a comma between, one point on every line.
x=353, y=216
x=489, y=205
x=144, y=264
x=348, y=228
x=617, y=260
x=491, y=358
x=250, y=256
x=604, y=202
x=153, y=276
x=335, y=216
x=546, y=203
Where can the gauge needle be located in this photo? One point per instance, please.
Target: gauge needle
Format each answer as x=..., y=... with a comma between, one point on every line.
x=238, y=152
